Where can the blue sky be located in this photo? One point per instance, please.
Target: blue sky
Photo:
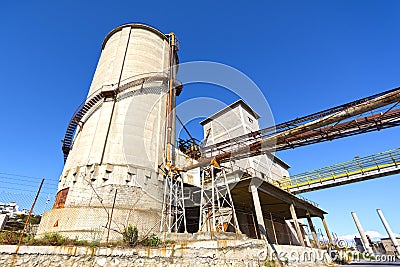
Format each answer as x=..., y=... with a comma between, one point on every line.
x=306, y=56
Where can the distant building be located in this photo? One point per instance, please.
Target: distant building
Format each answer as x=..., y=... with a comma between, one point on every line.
x=3, y=221
x=359, y=245
x=388, y=245
x=379, y=247
x=12, y=209
x=9, y=208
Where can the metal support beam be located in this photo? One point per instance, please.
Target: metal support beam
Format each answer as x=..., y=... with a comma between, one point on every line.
x=362, y=234
x=389, y=231
x=313, y=232
x=258, y=210
x=328, y=233
x=217, y=210
x=335, y=121
x=273, y=228
x=296, y=225
x=173, y=213
x=287, y=198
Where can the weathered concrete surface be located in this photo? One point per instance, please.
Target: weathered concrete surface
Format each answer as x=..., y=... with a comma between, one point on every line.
x=119, y=141
x=90, y=222
x=199, y=236
x=197, y=253
x=235, y=120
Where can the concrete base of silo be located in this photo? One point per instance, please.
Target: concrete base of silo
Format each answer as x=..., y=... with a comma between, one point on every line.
x=92, y=222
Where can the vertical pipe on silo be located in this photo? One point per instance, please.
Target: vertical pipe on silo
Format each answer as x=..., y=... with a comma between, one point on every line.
x=171, y=105
x=115, y=98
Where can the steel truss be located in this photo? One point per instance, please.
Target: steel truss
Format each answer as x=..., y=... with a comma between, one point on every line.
x=373, y=113
x=217, y=211
x=247, y=139
x=173, y=216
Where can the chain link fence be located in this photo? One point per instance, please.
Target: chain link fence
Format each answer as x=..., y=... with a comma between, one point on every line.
x=90, y=216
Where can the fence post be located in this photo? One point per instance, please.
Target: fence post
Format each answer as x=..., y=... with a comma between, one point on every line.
x=111, y=215
x=29, y=216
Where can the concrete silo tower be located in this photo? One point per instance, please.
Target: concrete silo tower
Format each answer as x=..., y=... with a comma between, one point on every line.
x=116, y=143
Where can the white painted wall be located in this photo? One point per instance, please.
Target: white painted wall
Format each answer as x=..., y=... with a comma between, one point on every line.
x=237, y=120
x=129, y=157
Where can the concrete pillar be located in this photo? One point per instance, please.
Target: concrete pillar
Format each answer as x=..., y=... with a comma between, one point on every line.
x=273, y=228
x=259, y=215
x=296, y=225
x=313, y=232
x=328, y=233
x=389, y=231
x=305, y=234
x=362, y=233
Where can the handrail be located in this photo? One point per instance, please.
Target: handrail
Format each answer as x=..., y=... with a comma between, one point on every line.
x=99, y=95
x=345, y=169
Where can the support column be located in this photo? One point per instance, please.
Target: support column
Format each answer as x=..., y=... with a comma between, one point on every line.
x=312, y=229
x=296, y=225
x=259, y=215
x=389, y=231
x=273, y=228
x=362, y=234
x=328, y=233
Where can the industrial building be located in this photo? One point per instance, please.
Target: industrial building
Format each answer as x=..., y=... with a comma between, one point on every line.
x=12, y=209
x=122, y=139
x=388, y=246
x=121, y=119
x=124, y=166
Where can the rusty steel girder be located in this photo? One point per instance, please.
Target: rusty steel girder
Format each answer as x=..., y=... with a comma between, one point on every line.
x=329, y=124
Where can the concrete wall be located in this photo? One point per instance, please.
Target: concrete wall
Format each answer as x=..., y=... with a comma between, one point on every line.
x=236, y=120
x=147, y=51
x=204, y=253
x=120, y=142
x=90, y=222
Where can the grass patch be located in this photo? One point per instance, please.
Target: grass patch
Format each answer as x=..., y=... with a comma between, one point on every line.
x=151, y=241
x=130, y=238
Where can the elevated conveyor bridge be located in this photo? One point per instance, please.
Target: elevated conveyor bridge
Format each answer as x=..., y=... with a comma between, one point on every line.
x=355, y=170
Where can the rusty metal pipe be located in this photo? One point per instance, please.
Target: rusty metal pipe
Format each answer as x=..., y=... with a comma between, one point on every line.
x=351, y=111
x=170, y=161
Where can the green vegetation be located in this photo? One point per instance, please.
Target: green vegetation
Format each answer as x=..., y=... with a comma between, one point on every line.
x=54, y=239
x=9, y=238
x=130, y=235
x=85, y=243
x=271, y=263
x=152, y=241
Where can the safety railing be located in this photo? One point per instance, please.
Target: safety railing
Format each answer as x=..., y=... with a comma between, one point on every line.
x=358, y=165
x=99, y=95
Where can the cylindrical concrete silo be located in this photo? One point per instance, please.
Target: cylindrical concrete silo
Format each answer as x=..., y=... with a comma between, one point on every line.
x=119, y=142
